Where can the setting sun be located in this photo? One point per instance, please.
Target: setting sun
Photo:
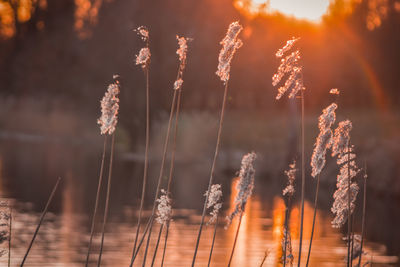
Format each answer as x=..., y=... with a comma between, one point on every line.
x=311, y=10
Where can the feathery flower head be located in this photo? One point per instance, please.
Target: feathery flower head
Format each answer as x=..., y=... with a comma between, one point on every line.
x=143, y=32
x=341, y=137
x=348, y=171
x=5, y=216
x=287, y=47
x=230, y=44
x=214, y=200
x=245, y=186
x=182, y=53
x=291, y=175
x=143, y=58
x=109, y=109
x=334, y=91
x=164, y=209
x=324, y=139
x=289, y=65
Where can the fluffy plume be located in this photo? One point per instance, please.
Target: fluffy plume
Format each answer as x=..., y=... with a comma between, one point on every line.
x=348, y=171
x=109, y=109
x=143, y=58
x=291, y=175
x=324, y=139
x=4, y=226
x=214, y=201
x=245, y=186
x=164, y=209
x=287, y=47
x=289, y=65
x=229, y=46
x=143, y=32
x=341, y=138
x=182, y=53
x=334, y=91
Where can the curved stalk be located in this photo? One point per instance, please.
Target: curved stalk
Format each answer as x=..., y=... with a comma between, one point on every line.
x=221, y=121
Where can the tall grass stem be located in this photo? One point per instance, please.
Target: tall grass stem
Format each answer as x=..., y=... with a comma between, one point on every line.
x=106, y=208
x=213, y=242
x=221, y=121
x=303, y=179
x=314, y=218
x=364, y=213
x=41, y=220
x=146, y=159
x=236, y=237
x=97, y=200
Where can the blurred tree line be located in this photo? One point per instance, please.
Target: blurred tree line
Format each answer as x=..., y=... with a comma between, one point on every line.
x=69, y=49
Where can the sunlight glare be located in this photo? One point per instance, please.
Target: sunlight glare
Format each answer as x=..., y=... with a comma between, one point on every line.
x=312, y=10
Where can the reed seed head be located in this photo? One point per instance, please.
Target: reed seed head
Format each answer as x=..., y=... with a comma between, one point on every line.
x=289, y=65
x=109, y=109
x=245, y=186
x=291, y=175
x=164, y=209
x=214, y=201
x=230, y=44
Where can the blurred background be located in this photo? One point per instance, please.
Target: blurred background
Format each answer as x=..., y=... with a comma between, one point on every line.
x=58, y=56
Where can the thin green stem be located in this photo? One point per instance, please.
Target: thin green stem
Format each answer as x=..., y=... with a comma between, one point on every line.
x=221, y=121
x=314, y=218
x=213, y=241
x=236, y=236
x=146, y=160
x=41, y=220
x=97, y=200
x=303, y=179
x=106, y=208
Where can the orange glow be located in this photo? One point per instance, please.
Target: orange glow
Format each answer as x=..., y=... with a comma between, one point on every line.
x=311, y=10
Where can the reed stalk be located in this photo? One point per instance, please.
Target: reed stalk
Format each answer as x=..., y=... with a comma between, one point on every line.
x=314, y=218
x=213, y=241
x=236, y=236
x=364, y=213
x=303, y=179
x=165, y=245
x=97, y=200
x=171, y=168
x=41, y=220
x=166, y=141
x=264, y=258
x=287, y=217
x=106, y=208
x=140, y=242
x=9, y=239
x=348, y=207
x=221, y=121
x=157, y=244
x=146, y=159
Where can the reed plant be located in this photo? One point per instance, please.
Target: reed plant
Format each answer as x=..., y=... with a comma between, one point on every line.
x=143, y=59
x=108, y=122
x=290, y=66
x=230, y=44
x=245, y=189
